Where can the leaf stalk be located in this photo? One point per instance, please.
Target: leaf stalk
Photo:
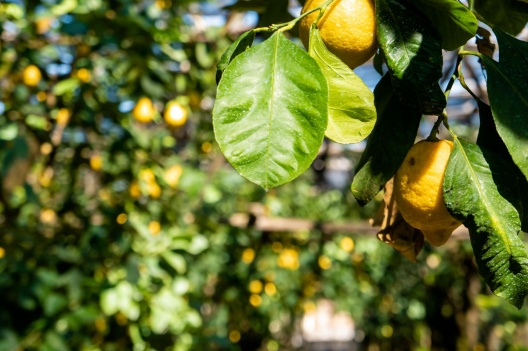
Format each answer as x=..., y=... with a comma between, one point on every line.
x=282, y=27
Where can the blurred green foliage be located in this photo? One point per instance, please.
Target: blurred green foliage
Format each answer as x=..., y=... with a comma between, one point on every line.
x=104, y=248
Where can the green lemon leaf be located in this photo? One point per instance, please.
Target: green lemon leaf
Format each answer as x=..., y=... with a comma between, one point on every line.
x=477, y=191
x=507, y=87
x=393, y=135
x=454, y=21
x=489, y=138
x=509, y=15
x=271, y=112
x=413, y=50
x=240, y=45
x=351, y=110
x=513, y=54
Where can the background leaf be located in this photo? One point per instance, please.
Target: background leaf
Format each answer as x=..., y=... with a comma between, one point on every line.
x=507, y=89
x=454, y=21
x=393, y=135
x=351, y=110
x=271, y=112
x=509, y=15
x=476, y=191
x=413, y=50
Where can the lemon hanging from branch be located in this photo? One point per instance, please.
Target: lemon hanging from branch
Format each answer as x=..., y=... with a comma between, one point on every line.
x=418, y=191
x=348, y=29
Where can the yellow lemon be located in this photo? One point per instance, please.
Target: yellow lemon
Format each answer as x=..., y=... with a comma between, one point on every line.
x=324, y=262
x=144, y=110
x=418, y=190
x=84, y=75
x=234, y=336
x=154, y=190
x=255, y=286
x=147, y=175
x=43, y=24
x=96, y=162
x=172, y=175
x=48, y=216
x=31, y=76
x=63, y=117
x=175, y=115
x=134, y=190
x=270, y=289
x=348, y=29
x=289, y=259
x=248, y=255
x=154, y=227
x=122, y=218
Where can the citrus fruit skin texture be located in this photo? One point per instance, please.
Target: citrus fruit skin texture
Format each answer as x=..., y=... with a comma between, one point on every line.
x=348, y=29
x=418, y=190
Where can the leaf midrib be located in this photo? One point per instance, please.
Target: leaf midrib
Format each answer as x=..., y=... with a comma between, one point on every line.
x=400, y=36
x=493, y=217
x=268, y=147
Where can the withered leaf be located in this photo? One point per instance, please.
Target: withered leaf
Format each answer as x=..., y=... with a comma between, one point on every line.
x=394, y=230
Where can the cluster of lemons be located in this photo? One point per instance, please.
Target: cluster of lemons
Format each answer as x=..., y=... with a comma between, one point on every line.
x=174, y=114
x=147, y=181
x=32, y=76
x=418, y=184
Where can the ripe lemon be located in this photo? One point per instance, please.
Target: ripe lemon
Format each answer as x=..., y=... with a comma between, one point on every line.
x=175, y=115
x=289, y=259
x=84, y=75
x=172, y=175
x=96, y=162
x=63, y=117
x=31, y=76
x=348, y=29
x=418, y=190
x=144, y=110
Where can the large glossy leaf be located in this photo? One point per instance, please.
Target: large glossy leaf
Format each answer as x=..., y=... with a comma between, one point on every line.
x=351, y=110
x=454, y=21
x=509, y=103
x=393, y=135
x=477, y=192
x=489, y=138
x=271, y=112
x=413, y=50
x=240, y=45
x=509, y=15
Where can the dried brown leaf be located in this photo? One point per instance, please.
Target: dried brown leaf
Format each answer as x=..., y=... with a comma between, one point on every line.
x=394, y=230
x=484, y=44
